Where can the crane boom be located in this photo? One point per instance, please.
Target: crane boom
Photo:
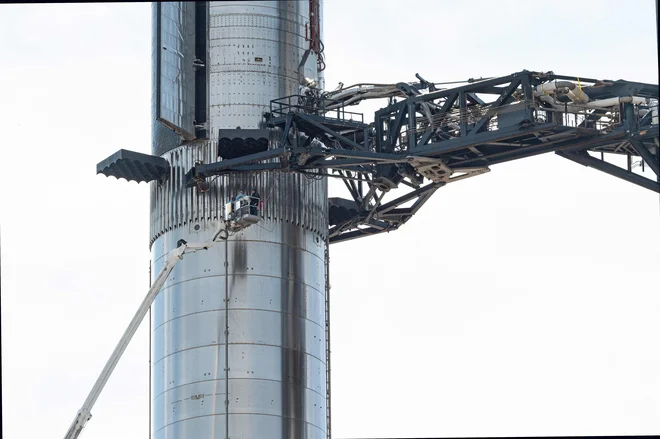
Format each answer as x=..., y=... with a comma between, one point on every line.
x=84, y=414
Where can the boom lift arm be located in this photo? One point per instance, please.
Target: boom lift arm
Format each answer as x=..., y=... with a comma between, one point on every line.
x=84, y=414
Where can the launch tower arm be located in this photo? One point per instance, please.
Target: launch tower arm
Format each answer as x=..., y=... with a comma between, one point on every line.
x=84, y=414
x=428, y=137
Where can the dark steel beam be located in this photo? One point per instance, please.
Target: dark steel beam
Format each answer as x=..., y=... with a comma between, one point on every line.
x=475, y=87
x=396, y=214
x=395, y=129
x=646, y=134
x=568, y=145
x=585, y=159
x=384, y=208
x=209, y=169
x=446, y=106
x=412, y=125
x=338, y=163
x=336, y=135
x=256, y=167
x=287, y=128
x=449, y=102
x=462, y=108
x=425, y=137
x=350, y=186
x=571, y=78
x=347, y=236
x=495, y=107
x=646, y=155
x=594, y=117
x=203, y=171
x=325, y=174
x=363, y=154
x=424, y=198
x=458, y=143
x=474, y=99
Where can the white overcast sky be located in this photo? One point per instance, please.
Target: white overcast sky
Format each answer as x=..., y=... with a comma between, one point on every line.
x=521, y=302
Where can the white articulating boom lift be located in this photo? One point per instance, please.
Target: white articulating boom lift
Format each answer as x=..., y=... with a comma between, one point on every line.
x=85, y=412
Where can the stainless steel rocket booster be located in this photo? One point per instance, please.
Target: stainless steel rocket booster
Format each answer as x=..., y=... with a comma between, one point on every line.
x=238, y=331
x=239, y=327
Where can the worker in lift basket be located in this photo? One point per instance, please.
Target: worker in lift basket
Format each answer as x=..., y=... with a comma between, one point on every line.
x=243, y=199
x=254, y=202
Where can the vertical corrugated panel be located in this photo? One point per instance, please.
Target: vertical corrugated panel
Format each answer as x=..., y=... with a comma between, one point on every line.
x=207, y=195
x=173, y=221
x=210, y=197
x=289, y=197
x=213, y=191
x=152, y=206
x=284, y=209
x=163, y=200
x=157, y=207
x=290, y=214
x=186, y=193
x=183, y=212
x=177, y=191
x=191, y=194
x=168, y=195
x=159, y=210
x=305, y=196
x=298, y=192
x=196, y=195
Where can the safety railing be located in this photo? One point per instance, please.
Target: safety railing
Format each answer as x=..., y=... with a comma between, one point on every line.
x=237, y=209
x=450, y=122
x=313, y=105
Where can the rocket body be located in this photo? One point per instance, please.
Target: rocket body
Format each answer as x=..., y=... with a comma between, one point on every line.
x=238, y=331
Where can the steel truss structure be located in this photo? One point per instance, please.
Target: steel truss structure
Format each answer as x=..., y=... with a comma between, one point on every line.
x=452, y=134
x=426, y=138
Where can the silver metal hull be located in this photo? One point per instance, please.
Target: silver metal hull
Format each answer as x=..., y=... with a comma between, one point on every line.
x=238, y=332
x=276, y=338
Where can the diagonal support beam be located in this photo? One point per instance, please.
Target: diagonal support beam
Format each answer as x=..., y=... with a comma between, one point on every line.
x=585, y=159
x=203, y=171
x=395, y=129
x=337, y=163
x=449, y=102
x=646, y=155
x=287, y=128
x=593, y=118
x=350, y=185
x=495, y=107
x=256, y=167
x=408, y=197
x=359, y=234
x=423, y=199
x=458, y=143
x=488, y=86
x=367, y=155
x=325, y=129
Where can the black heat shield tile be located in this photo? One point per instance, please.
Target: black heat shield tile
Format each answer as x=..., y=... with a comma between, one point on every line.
x=134, y=166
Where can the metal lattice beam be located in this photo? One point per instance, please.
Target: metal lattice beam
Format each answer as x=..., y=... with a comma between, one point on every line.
x=448, y=135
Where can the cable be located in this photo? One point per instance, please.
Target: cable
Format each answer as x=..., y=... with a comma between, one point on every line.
x=469, y=81
x=362, y=84
x=272, y=187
